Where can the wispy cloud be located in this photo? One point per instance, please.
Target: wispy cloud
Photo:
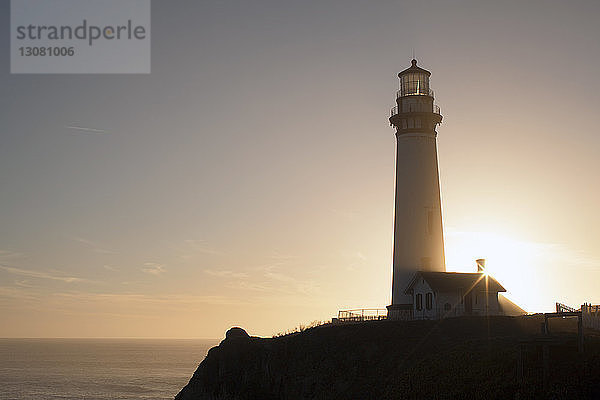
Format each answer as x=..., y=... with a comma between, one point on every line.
x=277, y=276
x=226, y=273
x=9, y=255
x=282, y=258
x=19, y=294
x=274, y=278
x=164, y=299
x=200, y=246
x=194, y=249
x=40, y=274
x=153, y=268
x=24, y=283
x=86, y=129
x=95, y=246
x=254, y=286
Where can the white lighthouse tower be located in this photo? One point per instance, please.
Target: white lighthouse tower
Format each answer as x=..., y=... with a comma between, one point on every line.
x=418, y=236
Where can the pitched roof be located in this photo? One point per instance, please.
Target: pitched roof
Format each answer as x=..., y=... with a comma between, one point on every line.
x=447, y=281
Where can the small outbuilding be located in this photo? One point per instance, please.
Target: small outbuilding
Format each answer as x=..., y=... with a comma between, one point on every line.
x=439, y=295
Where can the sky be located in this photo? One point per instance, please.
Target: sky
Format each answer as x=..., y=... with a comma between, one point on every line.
x=248, y=180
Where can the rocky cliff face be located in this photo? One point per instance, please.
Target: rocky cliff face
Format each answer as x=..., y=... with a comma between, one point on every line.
x=455, y=358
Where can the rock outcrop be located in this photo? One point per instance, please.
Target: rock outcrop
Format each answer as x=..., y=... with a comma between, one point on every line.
x=470, y=358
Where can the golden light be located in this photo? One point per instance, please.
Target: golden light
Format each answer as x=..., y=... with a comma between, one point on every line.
x=514, y=263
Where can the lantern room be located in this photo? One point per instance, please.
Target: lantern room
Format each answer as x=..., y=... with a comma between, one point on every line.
x=414, y=81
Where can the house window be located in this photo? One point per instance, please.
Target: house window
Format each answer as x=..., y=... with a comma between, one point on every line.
x=403, y=124
x=429, y=301
x=419, y=302
x=476, y=299
x=447, y=307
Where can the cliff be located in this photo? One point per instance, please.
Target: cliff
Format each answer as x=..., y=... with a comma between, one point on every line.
x=470, y=358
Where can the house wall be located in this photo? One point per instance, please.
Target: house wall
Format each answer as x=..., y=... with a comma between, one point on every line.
x=480, y=307
x=455, y=300
x=452, y=298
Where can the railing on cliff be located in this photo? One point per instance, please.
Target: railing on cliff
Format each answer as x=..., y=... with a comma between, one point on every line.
x=590, y=314
x=560, y=307
x=361, y=314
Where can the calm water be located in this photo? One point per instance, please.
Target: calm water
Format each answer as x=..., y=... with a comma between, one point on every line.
x=97, y=369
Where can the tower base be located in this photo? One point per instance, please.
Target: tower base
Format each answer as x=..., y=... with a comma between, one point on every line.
x=400, y=312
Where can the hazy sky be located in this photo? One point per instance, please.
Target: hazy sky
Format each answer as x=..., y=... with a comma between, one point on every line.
x=249, y=179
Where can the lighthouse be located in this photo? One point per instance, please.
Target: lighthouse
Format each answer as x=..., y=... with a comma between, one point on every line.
x=418, y=232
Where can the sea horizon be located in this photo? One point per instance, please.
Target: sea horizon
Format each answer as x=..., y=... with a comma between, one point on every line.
x=98, y=368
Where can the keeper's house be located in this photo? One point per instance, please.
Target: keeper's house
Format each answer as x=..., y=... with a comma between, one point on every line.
x=439, y=295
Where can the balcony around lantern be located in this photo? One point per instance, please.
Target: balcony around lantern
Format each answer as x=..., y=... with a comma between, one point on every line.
x=418, y=108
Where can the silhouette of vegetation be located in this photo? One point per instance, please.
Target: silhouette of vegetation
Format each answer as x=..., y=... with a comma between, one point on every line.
x=301, y=328
x=457, y=358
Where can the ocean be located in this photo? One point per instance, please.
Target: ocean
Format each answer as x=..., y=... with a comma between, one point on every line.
x=97, y=369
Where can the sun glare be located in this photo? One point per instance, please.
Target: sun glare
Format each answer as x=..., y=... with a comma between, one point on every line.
x=514, y=263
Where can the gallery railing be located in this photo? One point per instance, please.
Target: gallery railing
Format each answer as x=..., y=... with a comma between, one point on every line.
x=417, y=108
